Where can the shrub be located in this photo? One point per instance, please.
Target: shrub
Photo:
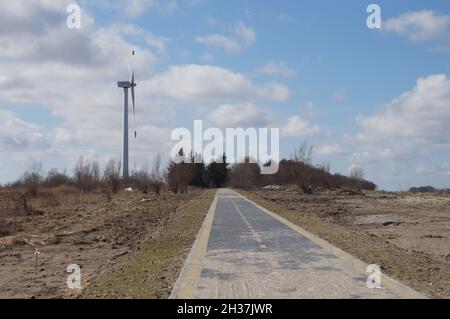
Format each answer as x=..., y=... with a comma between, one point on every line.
x=111, y=175
x=55, y=178
x=179, y=173
x=246, y=174
x=87, y=175
x=32, y=179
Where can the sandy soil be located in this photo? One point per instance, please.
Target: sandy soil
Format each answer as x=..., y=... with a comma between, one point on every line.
x=78, y=229
x=408, y=235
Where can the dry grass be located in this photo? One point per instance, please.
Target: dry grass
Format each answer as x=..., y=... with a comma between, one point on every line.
x=77, y=228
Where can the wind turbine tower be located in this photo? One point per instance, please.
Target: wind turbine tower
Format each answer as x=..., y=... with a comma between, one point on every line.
x=125, y=155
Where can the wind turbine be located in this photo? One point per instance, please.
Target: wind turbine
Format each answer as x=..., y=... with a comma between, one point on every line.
x=127, y=85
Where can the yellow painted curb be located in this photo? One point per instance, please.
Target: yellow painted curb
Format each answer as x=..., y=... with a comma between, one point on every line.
x=185, y=287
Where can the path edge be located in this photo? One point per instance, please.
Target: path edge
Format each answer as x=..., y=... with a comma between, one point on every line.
x=183, y=288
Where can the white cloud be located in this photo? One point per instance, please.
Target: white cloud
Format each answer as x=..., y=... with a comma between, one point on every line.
x=297, y=126
x=374, y=152
x=308, y=110
x=420, y=115
x=205, y=83
x=331, y=149
x=240, y=115
x=241, y=38
x=16, y=134
x=411, y=128
x=22, y=142
x=227, y=43
x=431, y=169
x=73, y=74
x=339, y=95
x=419, y=26
x=207, y=58
x=135, y=8
x=246, y=34
x=34, y=17
x=155, y=42
x=62, y=135
x=277, y=69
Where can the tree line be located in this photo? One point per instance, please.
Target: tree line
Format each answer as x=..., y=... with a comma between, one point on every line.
x=190, y=170
x=298, y=170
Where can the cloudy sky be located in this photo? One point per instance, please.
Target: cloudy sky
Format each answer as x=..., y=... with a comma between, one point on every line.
x=373, y=98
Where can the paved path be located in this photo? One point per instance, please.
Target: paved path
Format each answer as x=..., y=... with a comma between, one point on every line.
x=245, y=251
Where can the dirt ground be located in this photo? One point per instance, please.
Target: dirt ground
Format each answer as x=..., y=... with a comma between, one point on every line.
x=151, y=271
x=408, y=235
x=134, y=246
x=69, y=228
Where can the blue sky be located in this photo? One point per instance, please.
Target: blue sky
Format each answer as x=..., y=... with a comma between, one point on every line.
x=379, y=99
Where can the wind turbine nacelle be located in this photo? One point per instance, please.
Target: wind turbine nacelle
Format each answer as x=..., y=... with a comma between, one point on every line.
x=125, y=84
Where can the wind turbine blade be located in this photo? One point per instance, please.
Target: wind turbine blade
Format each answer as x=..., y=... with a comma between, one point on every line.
x=133, y=102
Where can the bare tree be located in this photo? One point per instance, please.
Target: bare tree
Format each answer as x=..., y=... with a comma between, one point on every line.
x=33, y=178
x=246, y=174
x=325, y=166
x=156, y=176
x=322, y=176
x=111, y=176
x=357, y=173
x=301, y=169
x=87, y=175
x=56, y=178
x=95, y=172
x=303, y=154
x=156, y=171
x=179, y=175
x=142, y=180
x=21, y=198
x=357, y=176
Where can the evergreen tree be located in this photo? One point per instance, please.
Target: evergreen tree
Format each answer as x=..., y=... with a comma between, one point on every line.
x=218, y=172
x=199, y=175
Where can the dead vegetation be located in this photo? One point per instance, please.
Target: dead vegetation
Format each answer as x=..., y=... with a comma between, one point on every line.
x=298, y=170
x=90, y=218
x=69, y=227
